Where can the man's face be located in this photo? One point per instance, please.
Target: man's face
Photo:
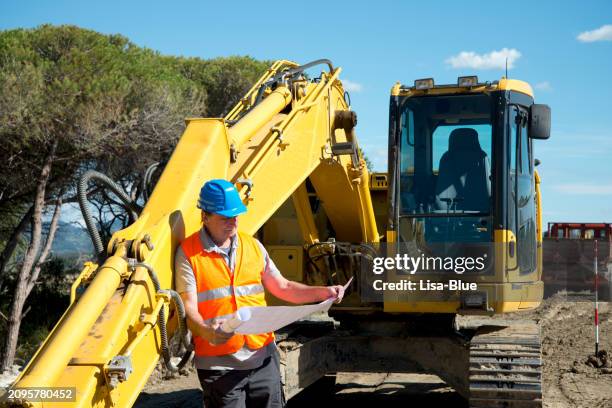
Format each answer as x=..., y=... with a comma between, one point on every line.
x=221, y=228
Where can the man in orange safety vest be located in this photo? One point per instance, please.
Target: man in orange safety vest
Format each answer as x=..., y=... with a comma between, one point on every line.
x=218, y=271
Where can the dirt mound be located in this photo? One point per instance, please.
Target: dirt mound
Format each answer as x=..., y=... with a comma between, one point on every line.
x=573, y=375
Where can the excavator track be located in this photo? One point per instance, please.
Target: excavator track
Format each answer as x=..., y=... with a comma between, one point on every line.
x=506, y=367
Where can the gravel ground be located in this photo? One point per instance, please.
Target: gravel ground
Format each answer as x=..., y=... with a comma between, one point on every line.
x=570, y=378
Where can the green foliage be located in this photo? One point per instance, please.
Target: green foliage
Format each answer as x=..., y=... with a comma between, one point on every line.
x=225, y=79
x=97, y=94
x=107, y=101
x=109, y=105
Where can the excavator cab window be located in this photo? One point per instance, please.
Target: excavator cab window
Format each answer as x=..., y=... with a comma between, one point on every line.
x=445, y=167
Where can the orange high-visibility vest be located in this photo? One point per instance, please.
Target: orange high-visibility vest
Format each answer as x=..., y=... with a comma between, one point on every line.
x=221, y=293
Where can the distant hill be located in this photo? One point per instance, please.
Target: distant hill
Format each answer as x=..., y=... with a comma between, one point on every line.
x=71, y=241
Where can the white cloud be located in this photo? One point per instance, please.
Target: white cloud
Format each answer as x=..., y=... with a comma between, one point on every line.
x=543, y=86
x=351, y=86
x=603, y=33
x=492, y=60
x=583, y=189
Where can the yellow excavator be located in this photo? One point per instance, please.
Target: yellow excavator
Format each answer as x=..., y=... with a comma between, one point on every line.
x=461, y=180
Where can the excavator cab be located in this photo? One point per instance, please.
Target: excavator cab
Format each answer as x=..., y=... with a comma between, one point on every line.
x=462, y=181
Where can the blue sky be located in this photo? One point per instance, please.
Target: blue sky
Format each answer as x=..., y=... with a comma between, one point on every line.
x=564, y=49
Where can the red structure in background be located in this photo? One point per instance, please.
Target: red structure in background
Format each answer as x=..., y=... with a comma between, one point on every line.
x=572, y=230
x=569, y=254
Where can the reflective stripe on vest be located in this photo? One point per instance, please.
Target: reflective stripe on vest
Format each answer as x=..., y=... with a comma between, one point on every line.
x=221, y=293
x=225, y=291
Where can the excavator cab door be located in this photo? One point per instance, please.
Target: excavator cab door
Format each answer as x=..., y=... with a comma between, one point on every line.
x=444, y=174
x=521, y=211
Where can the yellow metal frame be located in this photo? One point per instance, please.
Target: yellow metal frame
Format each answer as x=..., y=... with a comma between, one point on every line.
x=504, y=84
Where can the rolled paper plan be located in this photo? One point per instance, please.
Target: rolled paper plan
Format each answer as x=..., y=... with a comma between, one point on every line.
x=239, y=317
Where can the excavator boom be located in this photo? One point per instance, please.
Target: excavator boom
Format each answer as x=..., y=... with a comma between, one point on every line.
x=286, y=129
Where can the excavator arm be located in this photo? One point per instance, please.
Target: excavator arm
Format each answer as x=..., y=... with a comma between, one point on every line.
x=287, y=128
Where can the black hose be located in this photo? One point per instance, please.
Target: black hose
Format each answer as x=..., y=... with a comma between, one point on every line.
x=89, y=221
x=302, y=68
x=146, y=181
x=182, y=325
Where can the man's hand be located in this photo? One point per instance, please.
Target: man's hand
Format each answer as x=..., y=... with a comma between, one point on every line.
x=218, y=336
x=337, y=292
x=297, y=292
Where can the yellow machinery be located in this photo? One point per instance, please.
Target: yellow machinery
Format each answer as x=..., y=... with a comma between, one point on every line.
x=290, y=147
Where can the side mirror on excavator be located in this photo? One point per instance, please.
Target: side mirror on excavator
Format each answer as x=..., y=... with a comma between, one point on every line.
x=539, y=121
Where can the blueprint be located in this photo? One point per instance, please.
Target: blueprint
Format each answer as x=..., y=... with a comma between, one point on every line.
x=264, y=319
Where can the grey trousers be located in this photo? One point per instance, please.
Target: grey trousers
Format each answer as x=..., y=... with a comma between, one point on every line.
x=257, y=388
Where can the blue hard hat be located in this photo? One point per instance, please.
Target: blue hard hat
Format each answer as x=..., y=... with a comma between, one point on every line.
x=221, y=197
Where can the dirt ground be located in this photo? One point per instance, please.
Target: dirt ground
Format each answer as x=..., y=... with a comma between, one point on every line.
x=569, y=379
